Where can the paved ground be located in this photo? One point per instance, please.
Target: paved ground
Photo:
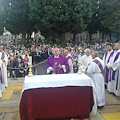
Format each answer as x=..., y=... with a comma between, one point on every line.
x=9, y=109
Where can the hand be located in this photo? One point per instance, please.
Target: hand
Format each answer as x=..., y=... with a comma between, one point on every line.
x=60, y=66
x=74, y=63
x=53, y=70
x=88, y=64
x=86, y=68
x=3, y=60
x=110, y=68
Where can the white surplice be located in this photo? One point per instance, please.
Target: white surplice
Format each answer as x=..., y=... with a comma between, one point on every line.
x=116, y=67
x=0, y=90
x=105, y=61
x=105, y=64
x=98, y=79
x=2, y=85
x=4, y=69
x=70, y=63
x=85, y=61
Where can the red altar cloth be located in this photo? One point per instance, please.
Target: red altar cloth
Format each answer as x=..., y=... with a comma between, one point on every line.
x=56, y=103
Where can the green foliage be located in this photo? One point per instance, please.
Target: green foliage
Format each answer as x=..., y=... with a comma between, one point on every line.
x=1, y=21
x=21, y=42
x=94, y=25
x=110, y=14
x=15, y=16
x=1, y=29
x=55, y=17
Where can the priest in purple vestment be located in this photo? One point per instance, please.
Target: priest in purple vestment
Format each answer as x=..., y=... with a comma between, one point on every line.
x=106, y=60
x=57, y=63
x=114, y=67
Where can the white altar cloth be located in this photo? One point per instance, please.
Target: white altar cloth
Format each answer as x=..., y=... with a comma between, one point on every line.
x=59, y=80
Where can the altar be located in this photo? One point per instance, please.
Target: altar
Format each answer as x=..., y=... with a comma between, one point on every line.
x=58, y=96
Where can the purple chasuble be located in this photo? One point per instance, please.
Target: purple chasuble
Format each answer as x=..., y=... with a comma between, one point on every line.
x=55, y=62
x=107, y=70
x=2, y=57
x=100, y=65
x=113, y=74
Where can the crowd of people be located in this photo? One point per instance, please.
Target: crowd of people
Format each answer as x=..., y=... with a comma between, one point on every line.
x=18, y=56
x=102, y=71
x=15, y=61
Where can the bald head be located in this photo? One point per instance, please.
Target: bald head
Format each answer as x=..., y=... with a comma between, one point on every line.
x=95, y=54
x=117, y=46
x=1, y=48
x=65, y=52
x=87, y=52
x=56, y=52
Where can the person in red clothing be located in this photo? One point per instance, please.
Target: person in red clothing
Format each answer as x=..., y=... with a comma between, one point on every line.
x=26, y=59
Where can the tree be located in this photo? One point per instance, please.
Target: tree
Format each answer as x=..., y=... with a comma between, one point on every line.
x=97, y=18
x=56, y=17
x=1, y=20
x=110, y=14
x=81, y=15
x=94, y=25
x=1, y=29
x=15, y=15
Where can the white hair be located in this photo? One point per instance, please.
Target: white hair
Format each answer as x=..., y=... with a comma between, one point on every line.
x=95, y=53
x=86, y=49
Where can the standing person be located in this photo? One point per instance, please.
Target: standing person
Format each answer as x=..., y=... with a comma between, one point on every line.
x=12, y=65
x=57, y=63
x=70, y=60
x=86, y=60
x=4, y=60
x=2, y=85
x=26, y=59
x=114, y=66
x=106, y=60
x=96, y=69
x=43, y=54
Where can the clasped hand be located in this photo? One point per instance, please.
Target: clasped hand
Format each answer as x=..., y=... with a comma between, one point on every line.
x=60, y=66
x=3, y=60
x=53, y=70
x=110, y=68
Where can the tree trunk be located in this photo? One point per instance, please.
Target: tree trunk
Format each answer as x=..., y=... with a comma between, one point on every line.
x=63, y=40
x=28, y=37
x=24, y=37
x=74, y=37
x=103, y=37
x=15, y=36
x=110, y=36
x=90, y=37
x=118, y=36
